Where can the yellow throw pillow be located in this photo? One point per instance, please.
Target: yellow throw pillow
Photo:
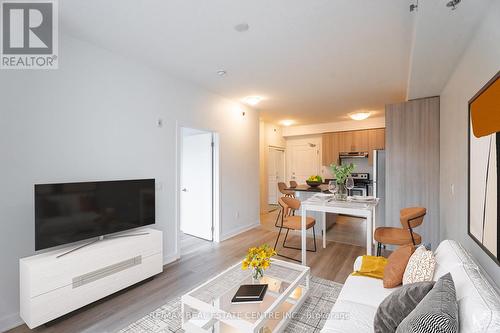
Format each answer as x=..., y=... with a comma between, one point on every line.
x=372, y=266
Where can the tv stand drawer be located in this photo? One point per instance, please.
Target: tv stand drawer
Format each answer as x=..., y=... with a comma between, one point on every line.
x=51, y=287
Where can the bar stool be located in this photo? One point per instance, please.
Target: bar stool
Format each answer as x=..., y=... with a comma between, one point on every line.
x=283, y=190
x=410, y=218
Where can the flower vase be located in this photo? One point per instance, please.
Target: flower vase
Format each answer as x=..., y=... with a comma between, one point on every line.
x=257, y=274
x=341, y=194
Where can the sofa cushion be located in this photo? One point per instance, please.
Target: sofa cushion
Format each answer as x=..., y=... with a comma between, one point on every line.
x=398, y=305
x=396, y=265
x=437, y=312
x=450, y=254
x=420, y=266
x=357, y=288
x=478, y=301
x=350, y=317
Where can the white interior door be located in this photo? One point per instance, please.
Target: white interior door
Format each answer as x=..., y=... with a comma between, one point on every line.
x=304, y=161
x=275, y=173
x=196, y=215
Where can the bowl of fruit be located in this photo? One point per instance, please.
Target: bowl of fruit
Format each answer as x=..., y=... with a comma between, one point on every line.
x=314, y=181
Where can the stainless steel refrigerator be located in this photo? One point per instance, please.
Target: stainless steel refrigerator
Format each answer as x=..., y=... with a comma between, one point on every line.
x=379, y=186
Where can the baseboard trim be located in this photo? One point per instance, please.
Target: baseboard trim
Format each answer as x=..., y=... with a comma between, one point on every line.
x=238, y=231
x=10, y=321
x=170, y=259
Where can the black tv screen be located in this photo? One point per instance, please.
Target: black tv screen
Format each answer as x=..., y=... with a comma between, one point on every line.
x=70, y=212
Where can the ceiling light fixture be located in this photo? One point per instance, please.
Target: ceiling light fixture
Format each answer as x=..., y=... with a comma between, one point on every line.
x=252, y=100
x=242, y=27
x=453, y=4
x=359, y=115
x=287, y=122
x=221, y=73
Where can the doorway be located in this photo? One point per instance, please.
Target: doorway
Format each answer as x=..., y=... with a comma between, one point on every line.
x=197, y=193
x=275, y=174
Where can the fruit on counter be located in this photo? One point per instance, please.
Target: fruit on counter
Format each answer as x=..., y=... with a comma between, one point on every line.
x=315, y=179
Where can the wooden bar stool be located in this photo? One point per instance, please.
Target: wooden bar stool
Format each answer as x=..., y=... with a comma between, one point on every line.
x=410, y=218
x=287, y=193
x=283, y=190
x=292, y=222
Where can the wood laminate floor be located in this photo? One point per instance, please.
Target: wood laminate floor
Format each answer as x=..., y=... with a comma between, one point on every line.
x=120, y=309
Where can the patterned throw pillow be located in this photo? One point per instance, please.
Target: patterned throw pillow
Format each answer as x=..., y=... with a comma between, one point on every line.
x=436, y=312
x=420, y=267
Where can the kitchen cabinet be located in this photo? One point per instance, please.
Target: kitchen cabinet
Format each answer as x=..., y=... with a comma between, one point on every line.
x=376, y=138
x=360, y=141
x=351, y=141
x=331, y=148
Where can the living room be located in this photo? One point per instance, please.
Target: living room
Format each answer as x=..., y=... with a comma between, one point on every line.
x=106, y=97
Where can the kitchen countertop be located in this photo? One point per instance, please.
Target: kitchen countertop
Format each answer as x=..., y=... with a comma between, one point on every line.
x=307, y=188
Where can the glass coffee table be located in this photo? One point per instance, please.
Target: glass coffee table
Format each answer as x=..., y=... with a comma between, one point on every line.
x=208, y=308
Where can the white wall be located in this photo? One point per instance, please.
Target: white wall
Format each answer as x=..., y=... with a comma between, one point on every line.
x=95, y=119
x=478, y=65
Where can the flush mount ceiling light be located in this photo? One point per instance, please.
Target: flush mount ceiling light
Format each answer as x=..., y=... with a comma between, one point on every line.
x=221, y=73
x=242, y=27
x=359, y=115
x=287, y=122
x=453, y=4
x=252, y=100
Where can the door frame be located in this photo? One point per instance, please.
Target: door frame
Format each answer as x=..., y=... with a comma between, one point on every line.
x=216, y=207
x=281, y=149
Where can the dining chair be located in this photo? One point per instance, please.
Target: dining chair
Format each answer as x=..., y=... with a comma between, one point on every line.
x=293, y=184
x=289, y=222
x=410, y=218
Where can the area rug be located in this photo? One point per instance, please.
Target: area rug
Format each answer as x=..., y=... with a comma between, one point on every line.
x=310, y=318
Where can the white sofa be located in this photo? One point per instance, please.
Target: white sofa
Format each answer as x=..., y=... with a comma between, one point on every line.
x=478, y=301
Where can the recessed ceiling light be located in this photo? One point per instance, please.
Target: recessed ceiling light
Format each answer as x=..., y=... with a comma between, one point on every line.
x=242, y=27
x=359, y=115
x=287, y=122
x=221, y=73
x=252, y=100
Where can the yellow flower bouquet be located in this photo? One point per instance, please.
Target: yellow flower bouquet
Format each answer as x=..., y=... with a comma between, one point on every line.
x=258, y=259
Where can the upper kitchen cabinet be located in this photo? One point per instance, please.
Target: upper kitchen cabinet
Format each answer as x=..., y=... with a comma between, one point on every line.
x=331, y=148
x=359, y=141
x=376, y=139
x=351, y=141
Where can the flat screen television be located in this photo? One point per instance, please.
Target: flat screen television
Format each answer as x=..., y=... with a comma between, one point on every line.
x=71, y=212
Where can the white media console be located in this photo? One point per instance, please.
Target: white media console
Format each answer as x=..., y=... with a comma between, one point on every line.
x=51, y=287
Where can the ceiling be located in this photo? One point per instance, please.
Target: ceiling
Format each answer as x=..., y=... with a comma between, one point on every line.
x=312, y=61
x=441, y=36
